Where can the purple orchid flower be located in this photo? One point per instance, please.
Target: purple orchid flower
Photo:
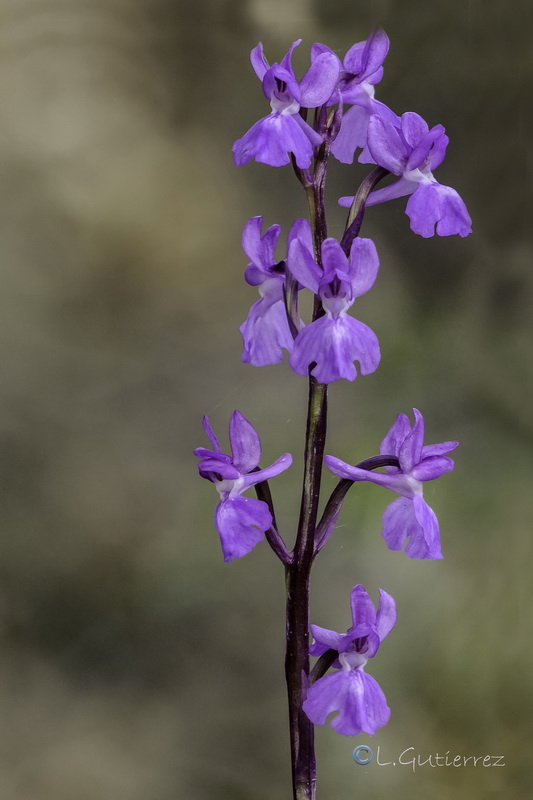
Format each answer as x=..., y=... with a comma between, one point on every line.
x=266, y=330
x=284, y=131
x=334, y=341
x=409, y=517
x=360, y=71
x=355, y=695
x=411, y=150
x=240, y=521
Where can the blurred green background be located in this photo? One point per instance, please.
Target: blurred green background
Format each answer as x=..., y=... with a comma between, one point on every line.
x=134, y=663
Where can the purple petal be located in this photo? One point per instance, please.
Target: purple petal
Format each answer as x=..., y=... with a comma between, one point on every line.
x=352, y=134
x=271, y=140
x=401, y=522
x=386, y=145
x=259, y=62
x=399, y=188
x=396, y=436
x=386, y=614
x=353, y=60
x=421, y=152
x=314, y=137
x=434, y=204
x=302, y=265
x=376, y=77
x=319, y=81
x=265, y=333
x=375, y=52
x=363, y=611
x=325, y=640
x=377, y=712
x=411, y=449
x=241, y=522
x=276, y=74
x=300, y=229
x=438, y=151
x=211, y=435
x=432, y=467
x=280, y=465
x=216, y=466
x=438, y=449
x=356, y=696
x=286, y=61
x=317, y=49
x=260, y=249
x=334, y=344
x=428, y=522
x=396, y=482
x=333, y=257
x=245, y=443
x=254, y=276
x=414, y=128
x=364, y=265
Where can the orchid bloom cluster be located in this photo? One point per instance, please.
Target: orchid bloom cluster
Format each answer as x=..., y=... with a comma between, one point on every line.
x=346, y=118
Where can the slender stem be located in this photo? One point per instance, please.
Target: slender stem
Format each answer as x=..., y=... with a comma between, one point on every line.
x=298, y=575
x=299, y=570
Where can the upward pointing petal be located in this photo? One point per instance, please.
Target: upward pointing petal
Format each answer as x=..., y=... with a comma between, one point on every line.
x=259, y=62
x=211, y=434
x=286, y=61
x=375, y=52
x=319, y=81
x=260, y=249
x=386, y=614
x=363, y=611
x=364, y=265
x=245, y=443
x=300, y=229
x=333, y=257
x=411, y=450
x=302, y=265
x=396, y=436
x=386, y=145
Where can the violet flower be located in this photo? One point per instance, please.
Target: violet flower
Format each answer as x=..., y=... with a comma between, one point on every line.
x=334, y=341
x=266, y=331
x=411, y=151
x=358, y=73
x=284, y=131
x=240, y=521
x=357, y=697
x=409, y=517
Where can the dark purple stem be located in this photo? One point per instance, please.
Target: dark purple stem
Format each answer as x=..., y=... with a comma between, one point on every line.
x=299, y=570
x=334, y=504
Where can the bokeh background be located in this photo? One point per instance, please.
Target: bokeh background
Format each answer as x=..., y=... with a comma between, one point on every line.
x=134, y=663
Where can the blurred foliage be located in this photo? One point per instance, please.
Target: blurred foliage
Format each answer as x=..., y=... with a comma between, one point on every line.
x=134, y=663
